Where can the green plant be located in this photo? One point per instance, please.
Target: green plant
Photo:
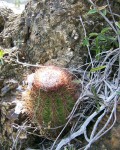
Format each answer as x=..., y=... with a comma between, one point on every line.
x=97, y=68
x=97, y=9
x=102, y=41
x=1, y=56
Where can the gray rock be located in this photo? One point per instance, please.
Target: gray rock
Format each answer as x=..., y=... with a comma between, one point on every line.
x=48, y=31
x=4, y=15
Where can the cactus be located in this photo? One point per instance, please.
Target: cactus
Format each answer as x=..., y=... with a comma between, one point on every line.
x=52, y=96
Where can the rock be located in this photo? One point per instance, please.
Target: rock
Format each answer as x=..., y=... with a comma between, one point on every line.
x=52, y=31
x=111, y=140
x=2, y=22
x=7, y=41
x=47, y=31
x=1, y=39
x=6, y=27
x=8, y=86
x=4, y=15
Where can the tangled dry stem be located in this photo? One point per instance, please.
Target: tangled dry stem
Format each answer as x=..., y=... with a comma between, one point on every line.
x=106, y=86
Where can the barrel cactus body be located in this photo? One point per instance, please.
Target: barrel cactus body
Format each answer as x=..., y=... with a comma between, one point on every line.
x=52, y=96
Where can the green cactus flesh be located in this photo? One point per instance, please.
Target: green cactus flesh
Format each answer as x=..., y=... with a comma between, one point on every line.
x=53, y=107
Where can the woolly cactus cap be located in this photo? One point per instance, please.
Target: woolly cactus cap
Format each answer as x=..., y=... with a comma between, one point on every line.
x=52, y=96
x=51, y=78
